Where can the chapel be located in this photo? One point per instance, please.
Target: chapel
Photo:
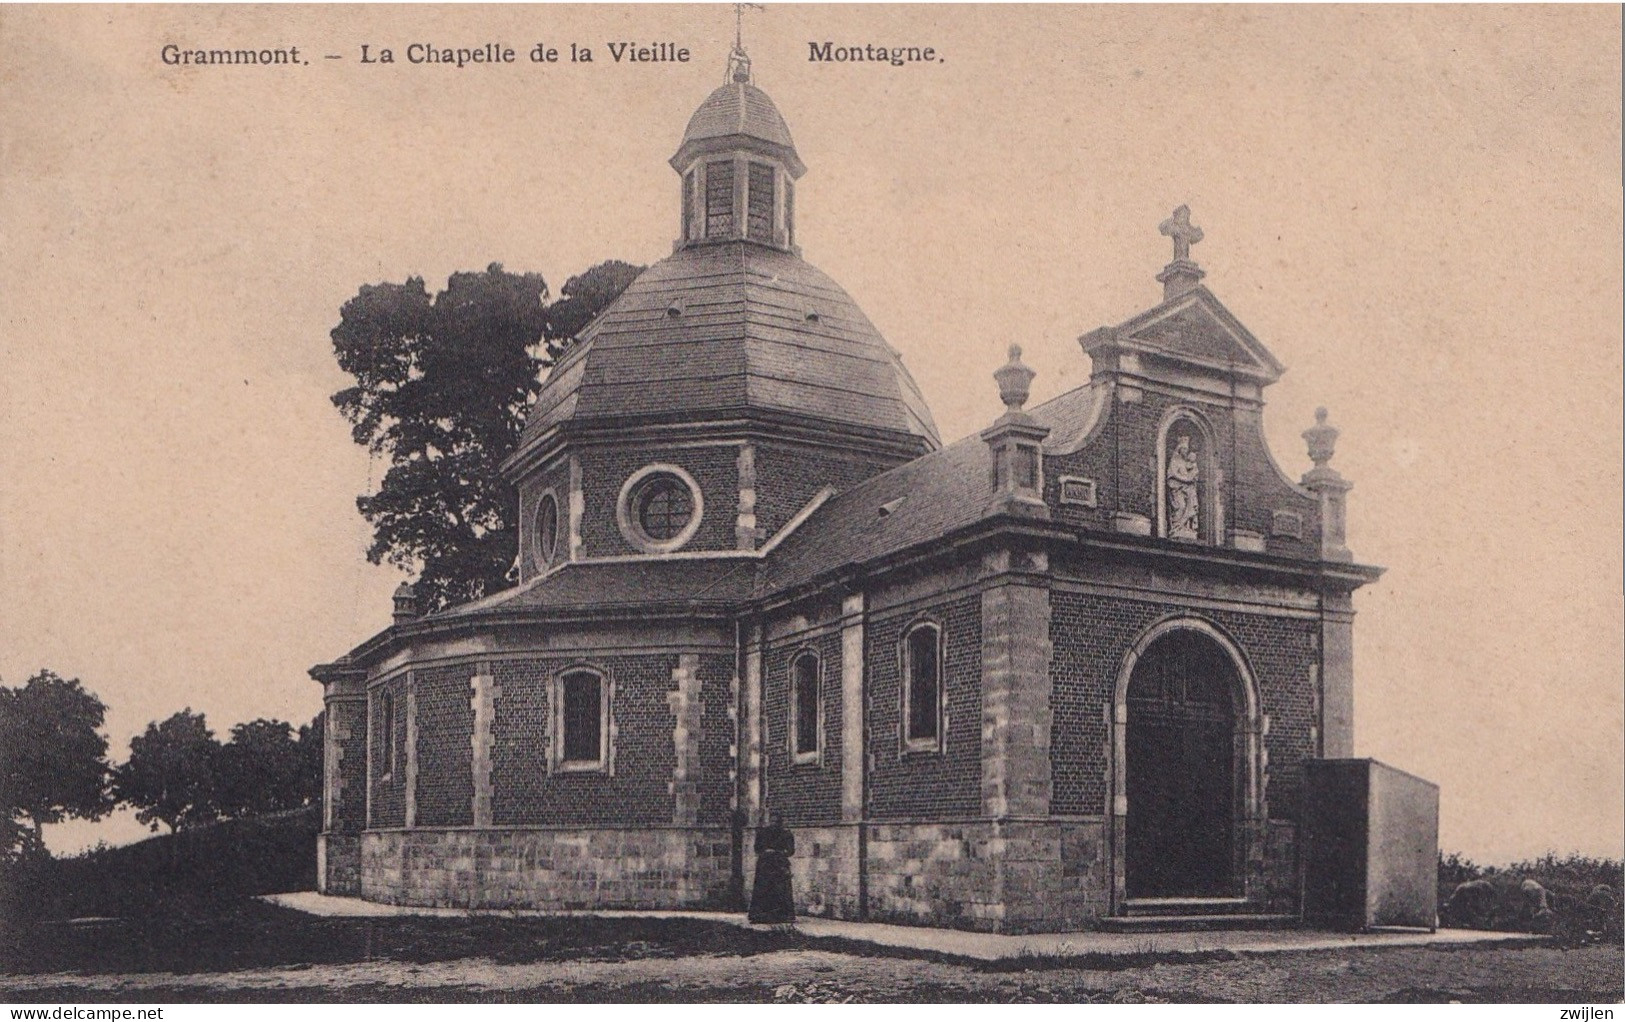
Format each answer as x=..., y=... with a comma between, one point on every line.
x=1069, y=669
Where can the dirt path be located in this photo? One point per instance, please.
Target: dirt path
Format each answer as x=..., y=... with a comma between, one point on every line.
x=1588, y=975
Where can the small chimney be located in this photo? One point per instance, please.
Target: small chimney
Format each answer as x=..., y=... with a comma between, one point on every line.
x=406, y=603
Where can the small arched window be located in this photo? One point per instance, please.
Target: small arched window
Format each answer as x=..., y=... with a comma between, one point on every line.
x=581, y=720
x=806, y=706
x=922, y=688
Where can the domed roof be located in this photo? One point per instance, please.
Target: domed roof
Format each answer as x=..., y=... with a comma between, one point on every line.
x=723, y=330
x=735, y=111
x=738, y=108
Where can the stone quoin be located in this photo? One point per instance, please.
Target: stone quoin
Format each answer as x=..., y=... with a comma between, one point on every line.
x=1041, y=678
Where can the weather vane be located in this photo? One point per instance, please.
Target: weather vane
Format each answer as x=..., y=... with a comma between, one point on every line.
x=739, y=24
x=738, y=62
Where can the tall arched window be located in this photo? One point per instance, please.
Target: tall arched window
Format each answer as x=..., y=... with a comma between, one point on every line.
x=689, y=184
x=386, y=733
x=922, y=688
x=581, y=720
x=806, y=708
x=760, y=203
x=719, y=199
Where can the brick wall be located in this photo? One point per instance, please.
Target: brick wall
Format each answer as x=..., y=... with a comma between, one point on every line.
x=641, y=725
x=1282, y=650
x=604, y=471
x=1133, y=430
x=445, y=785
x=523, y=792
x=1260, y=492
x=926, y=784
x=1092, y=462
x=388, y=781
x=717, y=740
x=1123, y=458
x=787, y=477
x=807, y=793
x=1092, y=634
x=519, y=740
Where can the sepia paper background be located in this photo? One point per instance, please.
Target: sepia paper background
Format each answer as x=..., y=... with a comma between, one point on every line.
x=1417, y=209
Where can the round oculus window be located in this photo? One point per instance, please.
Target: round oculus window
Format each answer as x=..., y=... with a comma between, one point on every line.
x=664, y=506
x=547, y=530
x=660, y=508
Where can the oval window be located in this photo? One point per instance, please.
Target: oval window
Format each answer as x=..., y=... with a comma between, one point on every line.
x=547, y=529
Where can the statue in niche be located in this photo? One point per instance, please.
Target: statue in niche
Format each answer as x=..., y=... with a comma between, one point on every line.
x=1184, y=474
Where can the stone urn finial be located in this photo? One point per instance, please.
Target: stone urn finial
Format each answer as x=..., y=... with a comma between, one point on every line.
x=1322, y=439
x=1330, y=486
x=1015, y=380
x=406, y=602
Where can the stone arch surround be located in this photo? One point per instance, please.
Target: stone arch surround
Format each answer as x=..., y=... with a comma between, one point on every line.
x=1250, y=730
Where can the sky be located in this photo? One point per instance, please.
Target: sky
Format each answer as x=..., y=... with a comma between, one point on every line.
x=1418, y=210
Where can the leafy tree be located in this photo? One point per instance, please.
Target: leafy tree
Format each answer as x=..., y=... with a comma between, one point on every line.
x=261, y=769
x=442, y=387
x=582, y=298
x=312, y=759
x=172, y=774
x=53, y=759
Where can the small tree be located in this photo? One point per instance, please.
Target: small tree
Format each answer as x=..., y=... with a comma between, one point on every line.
x=172, y=775
x=53, y=758
x=260, y=769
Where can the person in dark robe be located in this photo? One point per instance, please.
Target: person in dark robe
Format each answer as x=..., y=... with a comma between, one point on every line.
x=771, y=899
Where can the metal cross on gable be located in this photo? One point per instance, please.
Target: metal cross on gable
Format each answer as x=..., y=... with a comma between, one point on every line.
x=1184, y=233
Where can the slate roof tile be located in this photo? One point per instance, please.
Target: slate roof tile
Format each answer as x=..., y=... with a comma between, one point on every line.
x=925, y=499
x=740, y=338
x=590, y=585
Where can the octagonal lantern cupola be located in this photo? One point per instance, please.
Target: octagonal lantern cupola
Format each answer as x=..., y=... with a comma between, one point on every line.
x=738, y=167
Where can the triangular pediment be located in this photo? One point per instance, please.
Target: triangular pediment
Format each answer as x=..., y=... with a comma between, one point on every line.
x=1196, y=330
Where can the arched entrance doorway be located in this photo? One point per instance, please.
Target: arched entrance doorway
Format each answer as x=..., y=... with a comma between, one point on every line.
x=1183, y=769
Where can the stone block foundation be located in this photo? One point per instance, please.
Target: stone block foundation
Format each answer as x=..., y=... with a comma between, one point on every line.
x=338, y=864
x=1004, y=876
x=557, y=869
